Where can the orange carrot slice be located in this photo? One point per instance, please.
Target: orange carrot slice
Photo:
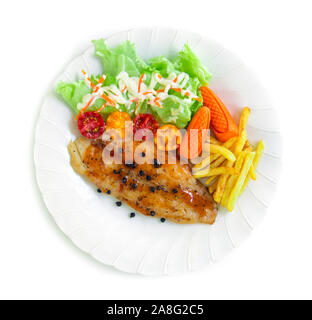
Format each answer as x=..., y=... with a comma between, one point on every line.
x=201, y=122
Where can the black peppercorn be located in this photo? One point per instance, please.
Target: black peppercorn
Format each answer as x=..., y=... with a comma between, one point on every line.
x=162, y=220
x=174, y=190
x=157, y=163
x=152, y=189
x=124, y=179
x=143, y=154
x=118, y=203
x=152, y=213
x=108, y=192
x=99, y=190
x=115, y=172
x=132, y=214
x=149, y=178
x=134, y=185
x=131, y=165
x=141, y=173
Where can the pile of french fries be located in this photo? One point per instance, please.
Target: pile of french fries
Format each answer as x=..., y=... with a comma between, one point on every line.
x=229, y=166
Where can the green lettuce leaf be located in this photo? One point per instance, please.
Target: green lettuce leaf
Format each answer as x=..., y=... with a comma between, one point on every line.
x=121, y=58
x=162, y=65
x=175, y=111
x=72, y=93
x=127, y=48
x=143, y=107
x=186, y=61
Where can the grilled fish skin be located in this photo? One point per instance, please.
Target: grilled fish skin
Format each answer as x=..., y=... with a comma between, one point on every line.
x=170, y=192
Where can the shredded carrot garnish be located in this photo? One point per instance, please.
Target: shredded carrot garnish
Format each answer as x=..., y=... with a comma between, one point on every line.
x=160, y=90
x=96, y=89
x=157, y=103
x=102, y=79
x=92, y=85
x=177, y=89
x=140, y=82
x=147, y=92
x=108, y=99
x=175, y=80
x=124, y=89
x=159, y=76
x=99, y=84
x=187, y=94
x=87, y=105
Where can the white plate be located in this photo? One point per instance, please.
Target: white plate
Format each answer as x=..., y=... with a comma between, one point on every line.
x=145, y=245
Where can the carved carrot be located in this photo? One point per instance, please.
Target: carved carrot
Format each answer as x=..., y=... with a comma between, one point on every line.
x=201, y=122
x=222, y=123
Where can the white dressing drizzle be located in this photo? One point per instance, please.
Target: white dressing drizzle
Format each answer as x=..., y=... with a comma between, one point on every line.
x=127, y=91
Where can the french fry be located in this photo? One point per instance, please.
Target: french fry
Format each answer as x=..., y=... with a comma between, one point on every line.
x=229, y=166
x=240, y=180
x=240, y=142
x=252, y=173
x=215, y=164
x=226, y=153
x=239, y=145
x=259, y=152
x=221, y=184
x=218, y=162
x=215, y=172
x=231, y=181
x=213, y=187
x=228, y=144
x=243, y=120
x=210, y=179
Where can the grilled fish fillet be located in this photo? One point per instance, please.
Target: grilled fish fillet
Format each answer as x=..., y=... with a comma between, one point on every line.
x=170, y=192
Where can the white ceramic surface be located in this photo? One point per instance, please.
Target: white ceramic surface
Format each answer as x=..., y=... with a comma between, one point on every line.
x=145, y=245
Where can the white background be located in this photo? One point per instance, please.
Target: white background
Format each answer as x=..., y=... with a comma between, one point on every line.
x=40, y=37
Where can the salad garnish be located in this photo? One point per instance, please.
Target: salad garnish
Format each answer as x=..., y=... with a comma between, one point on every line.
x=167, y=89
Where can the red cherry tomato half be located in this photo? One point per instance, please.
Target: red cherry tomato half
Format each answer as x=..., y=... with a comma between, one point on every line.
x=91, y=125
x=145, y=121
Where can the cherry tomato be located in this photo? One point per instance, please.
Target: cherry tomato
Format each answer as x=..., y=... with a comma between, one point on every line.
x=145, y=121
x=117, y=120
x=91, y=124
x=168, y=137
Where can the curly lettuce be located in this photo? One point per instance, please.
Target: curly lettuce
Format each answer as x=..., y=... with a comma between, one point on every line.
x=177, y=109
x=189, y=63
